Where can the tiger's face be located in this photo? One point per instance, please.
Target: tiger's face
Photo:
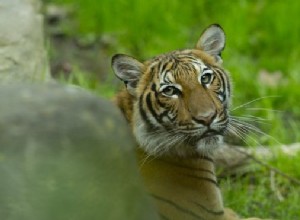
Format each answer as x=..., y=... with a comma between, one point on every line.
x=180, y=99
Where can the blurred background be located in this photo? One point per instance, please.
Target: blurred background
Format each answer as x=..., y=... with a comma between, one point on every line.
x=262, y=49
x=262, y=54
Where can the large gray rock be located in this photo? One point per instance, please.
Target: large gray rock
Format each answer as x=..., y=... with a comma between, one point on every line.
x=22, y=53
x=66, y=154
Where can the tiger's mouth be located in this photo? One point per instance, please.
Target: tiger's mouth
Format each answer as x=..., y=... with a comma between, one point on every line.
x=207, y=135
x=210, y=133
x=197, y=133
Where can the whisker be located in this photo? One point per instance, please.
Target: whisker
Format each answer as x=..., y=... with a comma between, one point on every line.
x=234, y=131
x=255, y=100
x=264, y=109
x=247, y=127
x=252, y=119
x=241, y=132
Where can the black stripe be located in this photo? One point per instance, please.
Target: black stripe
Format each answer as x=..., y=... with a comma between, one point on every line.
x=175, y=63
x=153, y=87
x=179, y=208
x=222, y=94
x=164, y=114
x=143, y=113
x=141, y=101
x=152, y=70
x=226, y=82
x=161, y=104
x=164, y=66
x=221, y=212
x=151, y=109
x=221, y=74
x=161, y=70
x=224, y=116
x=158, y=117
x=203, y=157
x=190, y=168
x=222, y=120
x=164, y=70
x=172, y=119
x=203, y=178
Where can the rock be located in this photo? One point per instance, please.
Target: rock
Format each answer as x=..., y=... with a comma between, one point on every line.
x=66, y=154
x=22, y=52
x=238, y=160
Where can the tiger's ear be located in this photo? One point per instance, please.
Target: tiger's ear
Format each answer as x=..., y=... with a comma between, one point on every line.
x=212, y=41
x=128, y=70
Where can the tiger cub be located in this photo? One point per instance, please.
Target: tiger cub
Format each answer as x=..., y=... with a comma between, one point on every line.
x=178, y=107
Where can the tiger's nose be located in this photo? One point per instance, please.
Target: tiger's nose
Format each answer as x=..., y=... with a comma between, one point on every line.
x=206, y=118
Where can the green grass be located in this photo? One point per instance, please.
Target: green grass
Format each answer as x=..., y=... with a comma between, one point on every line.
x=90, y=82
x=261, y=35
x=259, y=194
x=252, y=196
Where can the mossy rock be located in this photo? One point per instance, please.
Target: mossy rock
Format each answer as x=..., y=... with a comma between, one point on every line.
x=66, y=154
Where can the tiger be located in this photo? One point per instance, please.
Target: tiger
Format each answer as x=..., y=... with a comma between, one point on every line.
x=177, y=105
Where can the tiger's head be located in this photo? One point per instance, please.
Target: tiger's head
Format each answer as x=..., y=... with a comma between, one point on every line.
x=177, y=103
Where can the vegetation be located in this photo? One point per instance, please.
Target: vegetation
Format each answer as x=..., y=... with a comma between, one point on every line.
x=262, y=54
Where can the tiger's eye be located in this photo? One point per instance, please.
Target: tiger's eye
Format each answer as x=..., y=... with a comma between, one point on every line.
x=170, y=91
x=206, y=78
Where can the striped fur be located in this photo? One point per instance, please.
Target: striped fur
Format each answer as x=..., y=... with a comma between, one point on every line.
x=175, y=184
x=157, y=118
x=178, y=107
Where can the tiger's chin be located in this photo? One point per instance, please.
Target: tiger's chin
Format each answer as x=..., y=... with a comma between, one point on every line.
x=207, y=145
x=162, y=143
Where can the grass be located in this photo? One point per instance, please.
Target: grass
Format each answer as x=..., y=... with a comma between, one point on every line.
x=258, y=38
x=261, y=35
x=266, y=193
x=91, y=82
x=253, y=196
